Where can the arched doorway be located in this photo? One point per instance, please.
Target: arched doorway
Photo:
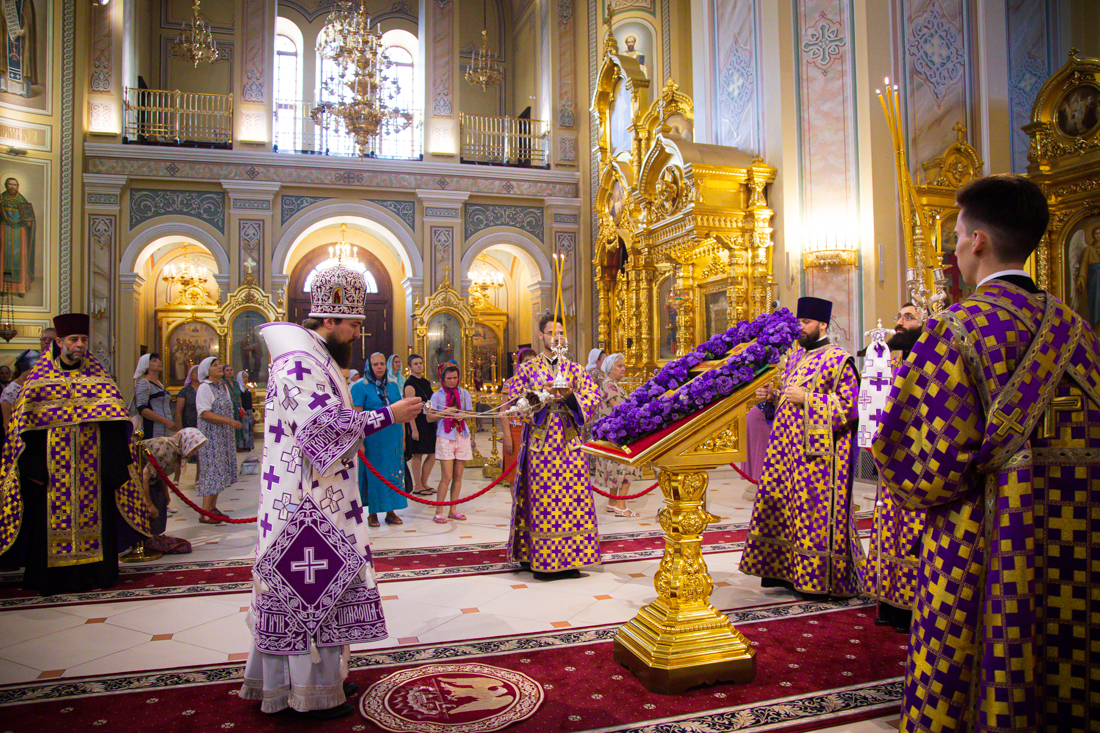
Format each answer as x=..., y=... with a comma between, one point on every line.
x=378, y=311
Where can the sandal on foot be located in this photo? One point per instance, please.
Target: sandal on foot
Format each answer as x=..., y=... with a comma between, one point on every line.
x=205, y=520
x=459, y=516
x=626, y=513
x=372, y=522
x=610, y=510
x=439, y=519
x=394, y=520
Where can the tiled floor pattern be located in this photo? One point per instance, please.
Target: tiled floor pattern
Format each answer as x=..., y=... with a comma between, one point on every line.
x=92, y=639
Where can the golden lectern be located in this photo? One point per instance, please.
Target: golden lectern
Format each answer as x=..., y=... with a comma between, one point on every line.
x=680, y=640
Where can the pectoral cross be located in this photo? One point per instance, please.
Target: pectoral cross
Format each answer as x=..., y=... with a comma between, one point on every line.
x=1049, y=429
x=1009, y=423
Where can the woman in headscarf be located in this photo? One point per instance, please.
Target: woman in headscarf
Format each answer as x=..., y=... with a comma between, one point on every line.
x=169, y=453
x=386, y=448
x=23, y=364
x=512, y=429
x=419, y=434
x=246, y=436
x=187, y=415
x=151, y=398
x=612, y=476
x=453, y=445
x=238, y=409
x=394, y=375
x=217, y=458
x=353, y=376
x=596, y=358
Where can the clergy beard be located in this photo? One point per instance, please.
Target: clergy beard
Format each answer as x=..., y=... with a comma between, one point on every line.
x=904, y=340
x=808, y=340
x=340, y=352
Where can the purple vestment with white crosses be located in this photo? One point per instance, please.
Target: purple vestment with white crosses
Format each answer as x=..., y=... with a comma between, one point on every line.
x=314, y=585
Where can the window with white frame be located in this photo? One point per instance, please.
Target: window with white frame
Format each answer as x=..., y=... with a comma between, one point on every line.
x=288, y=85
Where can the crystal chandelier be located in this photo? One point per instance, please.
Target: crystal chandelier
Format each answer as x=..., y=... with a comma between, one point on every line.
x=196, y=43
x=344, y=253
x=367, y=112
x=484, y=70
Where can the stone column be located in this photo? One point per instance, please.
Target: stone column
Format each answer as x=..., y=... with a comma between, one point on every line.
x=102, y=209
x=443, y=237
x=105, y=78
x=248, y=230
x=254, y=98
x=130, y=288
x=439, y=34
x=563, y=219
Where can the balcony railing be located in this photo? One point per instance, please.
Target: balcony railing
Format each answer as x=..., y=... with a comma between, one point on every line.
x=296, y=132
x=504, y=140
x=161, y=117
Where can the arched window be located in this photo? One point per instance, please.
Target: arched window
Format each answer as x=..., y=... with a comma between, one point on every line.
x=287, y=129
x=372, y=284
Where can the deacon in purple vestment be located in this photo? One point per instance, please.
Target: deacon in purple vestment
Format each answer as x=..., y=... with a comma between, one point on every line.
x=800, y=534
x=993, y=429
x=553, y=516
x=314, y=592
x=67, y=491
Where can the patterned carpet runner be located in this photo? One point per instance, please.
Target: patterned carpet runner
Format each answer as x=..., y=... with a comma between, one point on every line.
x=818, y=665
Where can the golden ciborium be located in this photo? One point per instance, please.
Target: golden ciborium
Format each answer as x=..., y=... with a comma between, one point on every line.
x=680, y=640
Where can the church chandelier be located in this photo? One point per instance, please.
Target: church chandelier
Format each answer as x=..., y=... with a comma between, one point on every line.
x=485, y=70
x=195, y=42
x=366, y=94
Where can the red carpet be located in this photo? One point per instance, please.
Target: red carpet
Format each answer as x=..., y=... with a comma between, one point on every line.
x=818, y=665
x=182, y=578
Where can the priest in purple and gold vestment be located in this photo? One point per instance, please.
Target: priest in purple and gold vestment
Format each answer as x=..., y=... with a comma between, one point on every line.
x=553, y=516
x=67, y=489
x=313, y=592
x=801, y=531
x=888, y=572
x=993, y=429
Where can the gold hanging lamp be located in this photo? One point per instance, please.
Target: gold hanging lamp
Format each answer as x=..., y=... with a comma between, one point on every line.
x=195, y=42
x=348, y=41
x=485, y=69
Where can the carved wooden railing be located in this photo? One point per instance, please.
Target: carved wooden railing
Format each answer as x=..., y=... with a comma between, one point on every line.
x=160, y=116
x=504, y=140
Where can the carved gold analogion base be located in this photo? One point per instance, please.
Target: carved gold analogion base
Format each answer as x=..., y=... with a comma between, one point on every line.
x=680, y=640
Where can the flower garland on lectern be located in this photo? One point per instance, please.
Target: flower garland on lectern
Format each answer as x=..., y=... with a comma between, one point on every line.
x=674, y=393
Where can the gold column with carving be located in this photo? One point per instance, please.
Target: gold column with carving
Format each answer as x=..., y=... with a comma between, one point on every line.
x=603, y=288
x=680, y=640
x=647, y=327
x=685, y=316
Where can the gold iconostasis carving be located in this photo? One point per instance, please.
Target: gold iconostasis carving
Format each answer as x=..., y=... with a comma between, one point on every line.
x=1064, y=159
x=687, y=222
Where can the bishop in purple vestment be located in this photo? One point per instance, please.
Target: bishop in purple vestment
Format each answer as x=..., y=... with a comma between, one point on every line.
x=314, y=592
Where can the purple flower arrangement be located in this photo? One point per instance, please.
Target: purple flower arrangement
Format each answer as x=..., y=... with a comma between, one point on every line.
x=673, y=394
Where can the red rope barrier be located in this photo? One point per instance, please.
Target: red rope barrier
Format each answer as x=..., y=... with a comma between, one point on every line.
x=627, y=496
x=744, y=475
x=471, y=497
x=193, y=505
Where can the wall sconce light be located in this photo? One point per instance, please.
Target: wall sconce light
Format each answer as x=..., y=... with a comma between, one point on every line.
x=830, y=249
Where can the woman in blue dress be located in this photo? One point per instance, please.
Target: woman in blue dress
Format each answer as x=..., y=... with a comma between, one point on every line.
x=385, y=449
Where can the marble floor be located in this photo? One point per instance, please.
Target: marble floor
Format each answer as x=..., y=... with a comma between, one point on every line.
x=157, y=633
